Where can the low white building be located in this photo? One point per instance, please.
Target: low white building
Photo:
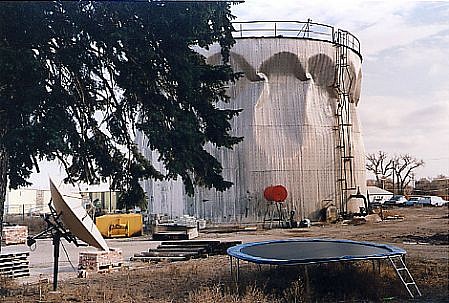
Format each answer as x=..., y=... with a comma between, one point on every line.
x=26, y=201
x=378, y=195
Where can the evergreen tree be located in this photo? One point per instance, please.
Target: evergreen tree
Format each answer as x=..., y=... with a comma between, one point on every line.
x=78, y=79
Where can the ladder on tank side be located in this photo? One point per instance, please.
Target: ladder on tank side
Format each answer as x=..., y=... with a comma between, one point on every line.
x=344, y=145
x=405, y=276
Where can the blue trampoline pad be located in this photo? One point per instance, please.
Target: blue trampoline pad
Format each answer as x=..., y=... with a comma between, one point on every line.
x=307, y=250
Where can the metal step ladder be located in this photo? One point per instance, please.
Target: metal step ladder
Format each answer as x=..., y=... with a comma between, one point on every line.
x=405, y=275
x=274, y=212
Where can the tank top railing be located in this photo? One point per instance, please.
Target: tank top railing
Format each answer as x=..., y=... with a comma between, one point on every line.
x=294, y=29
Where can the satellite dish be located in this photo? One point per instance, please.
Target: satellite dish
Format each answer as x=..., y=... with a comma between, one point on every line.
x=76, y=219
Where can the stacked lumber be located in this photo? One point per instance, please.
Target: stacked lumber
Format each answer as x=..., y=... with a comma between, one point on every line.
x=14, y=265
x=100, y=260
x=184, y=250
x=15, y=234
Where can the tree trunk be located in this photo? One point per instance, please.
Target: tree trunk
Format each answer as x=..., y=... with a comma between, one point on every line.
x=3, y=185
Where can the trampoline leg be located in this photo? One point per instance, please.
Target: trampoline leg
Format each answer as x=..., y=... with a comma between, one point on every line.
x=307, y=282
x=378, y=266
x=238, y=270
x=235, y=271
x=232, y=273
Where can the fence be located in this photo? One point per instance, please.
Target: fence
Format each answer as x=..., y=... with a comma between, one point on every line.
x=295, y=29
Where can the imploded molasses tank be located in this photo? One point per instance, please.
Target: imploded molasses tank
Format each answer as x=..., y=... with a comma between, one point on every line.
x=299, y=93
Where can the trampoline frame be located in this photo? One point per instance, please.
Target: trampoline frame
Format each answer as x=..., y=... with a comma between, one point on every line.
x=392, y=253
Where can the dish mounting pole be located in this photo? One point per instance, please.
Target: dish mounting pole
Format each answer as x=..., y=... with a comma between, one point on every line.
x=54, y=230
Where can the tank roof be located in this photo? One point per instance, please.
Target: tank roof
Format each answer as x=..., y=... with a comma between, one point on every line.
x=296, y=29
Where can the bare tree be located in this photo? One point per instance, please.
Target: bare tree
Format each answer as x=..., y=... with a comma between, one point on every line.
x=403, y=169
x=381, y=165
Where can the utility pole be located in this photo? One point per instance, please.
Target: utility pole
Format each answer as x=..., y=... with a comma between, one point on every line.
x=394, y=171
x=110, y=196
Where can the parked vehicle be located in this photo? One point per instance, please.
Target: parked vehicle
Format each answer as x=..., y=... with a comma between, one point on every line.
x=413, y=201
x=434, y=201
x=396, y=200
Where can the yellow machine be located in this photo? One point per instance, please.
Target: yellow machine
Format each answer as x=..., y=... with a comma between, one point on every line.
x=120, y=225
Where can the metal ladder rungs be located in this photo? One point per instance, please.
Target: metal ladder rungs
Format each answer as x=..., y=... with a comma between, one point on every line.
x=343, y=116
x=406, y=276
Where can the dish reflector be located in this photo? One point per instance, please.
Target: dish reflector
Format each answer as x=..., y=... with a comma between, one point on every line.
x=76, y=219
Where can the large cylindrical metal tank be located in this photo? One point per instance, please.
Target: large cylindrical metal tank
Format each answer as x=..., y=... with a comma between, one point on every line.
x=299, y=95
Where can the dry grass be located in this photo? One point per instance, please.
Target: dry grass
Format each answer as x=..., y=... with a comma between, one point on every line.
x=7, y=286
x=218, y=293
x=208, y=280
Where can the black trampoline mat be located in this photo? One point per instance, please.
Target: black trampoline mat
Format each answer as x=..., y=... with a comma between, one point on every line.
x=313, y=250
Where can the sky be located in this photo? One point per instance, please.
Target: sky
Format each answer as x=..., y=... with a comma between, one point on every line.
x=404, y=105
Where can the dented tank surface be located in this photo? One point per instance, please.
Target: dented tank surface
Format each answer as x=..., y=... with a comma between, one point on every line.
x=288, y=122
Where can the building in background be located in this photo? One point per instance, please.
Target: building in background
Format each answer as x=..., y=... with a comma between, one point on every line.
x=35, y=201
x=299, y=94
x=27, y=201
x=378, y=195
x=104, y=201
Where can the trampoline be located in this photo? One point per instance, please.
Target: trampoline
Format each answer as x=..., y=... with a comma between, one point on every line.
x=305, y=251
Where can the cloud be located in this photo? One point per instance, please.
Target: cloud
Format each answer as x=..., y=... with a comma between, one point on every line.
x=396, y=125
x=381, y=25
x=394, y=32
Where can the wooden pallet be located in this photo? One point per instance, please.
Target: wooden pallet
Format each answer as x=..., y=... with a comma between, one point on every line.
x=14, y=265
x=110, y=267
x=15, y=234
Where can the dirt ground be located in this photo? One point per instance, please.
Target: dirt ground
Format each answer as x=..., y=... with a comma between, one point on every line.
x=423, y=233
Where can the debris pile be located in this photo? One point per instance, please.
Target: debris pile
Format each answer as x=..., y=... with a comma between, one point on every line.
x=388, y=215
x=436, y=239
